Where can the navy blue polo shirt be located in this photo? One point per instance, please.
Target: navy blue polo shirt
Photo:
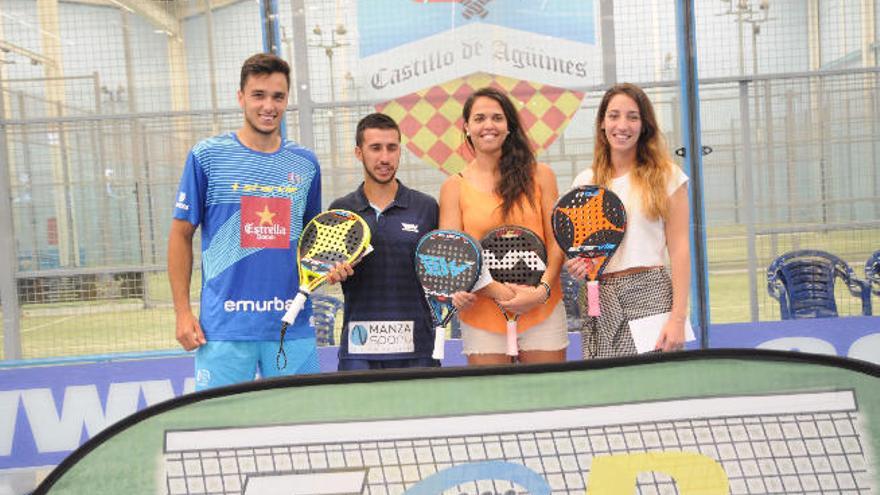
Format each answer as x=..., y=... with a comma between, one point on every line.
x=386, y=315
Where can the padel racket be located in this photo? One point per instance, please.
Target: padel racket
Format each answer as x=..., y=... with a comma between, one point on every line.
x=447, y=262
x=514, y=255
x=331, y=237
x=589, y=222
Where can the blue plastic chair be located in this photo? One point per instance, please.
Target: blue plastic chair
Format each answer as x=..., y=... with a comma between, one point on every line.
x=324, y=311
x=803, y=283
x=872, y=272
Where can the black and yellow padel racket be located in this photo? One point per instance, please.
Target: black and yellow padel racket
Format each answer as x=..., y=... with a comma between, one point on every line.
x=335, y=236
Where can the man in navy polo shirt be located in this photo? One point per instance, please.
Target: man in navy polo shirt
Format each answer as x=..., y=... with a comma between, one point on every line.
x=387, y=323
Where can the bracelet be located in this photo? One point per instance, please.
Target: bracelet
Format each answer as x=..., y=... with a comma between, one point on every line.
x=546, y=289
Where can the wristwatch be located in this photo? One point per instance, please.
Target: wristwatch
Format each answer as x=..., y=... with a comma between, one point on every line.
x=546, y=289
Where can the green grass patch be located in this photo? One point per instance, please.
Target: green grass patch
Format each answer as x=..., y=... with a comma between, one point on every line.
x=136, y=325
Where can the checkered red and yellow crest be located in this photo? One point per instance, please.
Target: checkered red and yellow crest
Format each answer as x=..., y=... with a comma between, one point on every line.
x=431, y=123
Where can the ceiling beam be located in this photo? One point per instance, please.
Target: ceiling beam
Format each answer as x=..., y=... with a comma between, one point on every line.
x=24, y=52
x=199, y=7
x=152, y=12
x=190, y=9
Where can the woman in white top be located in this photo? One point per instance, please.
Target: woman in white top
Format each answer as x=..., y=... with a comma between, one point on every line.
x=632, y=160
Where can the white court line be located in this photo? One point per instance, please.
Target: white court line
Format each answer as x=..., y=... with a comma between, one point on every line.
x=385, y=430
x=44, y=325
x=341, y=483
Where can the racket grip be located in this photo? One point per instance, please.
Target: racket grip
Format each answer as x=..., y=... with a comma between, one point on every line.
x=512, y=349
x=593, y=298
x=439, y=343
x=298, y=303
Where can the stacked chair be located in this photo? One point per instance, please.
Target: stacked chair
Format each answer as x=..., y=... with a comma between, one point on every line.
x=803, y=283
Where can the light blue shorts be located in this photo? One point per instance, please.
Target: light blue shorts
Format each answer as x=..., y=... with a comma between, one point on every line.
x=225, y=362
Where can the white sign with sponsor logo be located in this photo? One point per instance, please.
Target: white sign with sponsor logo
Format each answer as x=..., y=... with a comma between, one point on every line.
x=380, y=337
x=478, y=48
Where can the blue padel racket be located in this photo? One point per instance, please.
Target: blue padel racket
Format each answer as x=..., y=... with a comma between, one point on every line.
x=514, y=255
x=589, y=222
x=447, y=262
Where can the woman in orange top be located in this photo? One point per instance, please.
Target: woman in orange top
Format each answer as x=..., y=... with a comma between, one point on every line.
x=504, y=185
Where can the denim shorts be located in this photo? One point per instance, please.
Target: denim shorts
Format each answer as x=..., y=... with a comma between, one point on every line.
x=549, y=335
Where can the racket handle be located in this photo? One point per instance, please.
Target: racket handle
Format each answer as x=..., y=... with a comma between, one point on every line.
x=439, y=343
x=593, y=298
x=298, y=303
x=512, y=349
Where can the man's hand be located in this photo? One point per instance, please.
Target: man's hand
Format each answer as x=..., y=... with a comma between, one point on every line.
x=339, y=273
x=189, y=332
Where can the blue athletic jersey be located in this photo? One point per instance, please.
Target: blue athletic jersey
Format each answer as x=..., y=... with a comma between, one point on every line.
x=386, y=315
x=251, y=207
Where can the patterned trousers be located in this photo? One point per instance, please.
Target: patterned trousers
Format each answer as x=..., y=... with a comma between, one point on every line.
x=622, y=299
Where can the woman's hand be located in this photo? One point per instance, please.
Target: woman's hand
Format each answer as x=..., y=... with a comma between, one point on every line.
x=524, y=299
x=463, y=300
x=579, y=267
x=671, y=336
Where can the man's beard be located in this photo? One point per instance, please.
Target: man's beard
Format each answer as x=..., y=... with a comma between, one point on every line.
x=376, y=179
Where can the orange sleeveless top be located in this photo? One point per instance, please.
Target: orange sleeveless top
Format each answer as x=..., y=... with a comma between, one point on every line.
x=480, y=213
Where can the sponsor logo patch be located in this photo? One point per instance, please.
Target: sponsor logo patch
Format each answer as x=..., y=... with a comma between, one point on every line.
x=380, y=337
x=259, y=306
x=265, y=222
x=203, y=377
x=181, y=197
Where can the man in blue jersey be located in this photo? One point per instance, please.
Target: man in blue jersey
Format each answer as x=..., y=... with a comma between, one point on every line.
x=251, y=191
x=386, y=323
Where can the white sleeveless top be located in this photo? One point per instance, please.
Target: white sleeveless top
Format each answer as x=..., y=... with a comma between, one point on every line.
x=644, y=243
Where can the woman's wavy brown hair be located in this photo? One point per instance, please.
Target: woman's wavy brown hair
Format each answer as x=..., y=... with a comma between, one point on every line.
x=518, y=164
x=653, y=161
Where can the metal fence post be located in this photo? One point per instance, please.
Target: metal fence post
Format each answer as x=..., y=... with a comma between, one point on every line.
x=8, y=261
x=690, y=128
x=749, y=196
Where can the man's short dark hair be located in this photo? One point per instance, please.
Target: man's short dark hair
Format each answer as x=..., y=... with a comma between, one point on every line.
x=264, y=64
x=374, y=121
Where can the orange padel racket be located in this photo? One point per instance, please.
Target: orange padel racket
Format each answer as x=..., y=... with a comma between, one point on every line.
x=589, y=222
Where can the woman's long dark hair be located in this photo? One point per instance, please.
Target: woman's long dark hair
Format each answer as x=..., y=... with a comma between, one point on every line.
x=518, y=164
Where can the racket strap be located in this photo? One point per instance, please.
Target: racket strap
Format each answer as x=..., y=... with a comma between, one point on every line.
x=593, y=338
x=281, y=357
